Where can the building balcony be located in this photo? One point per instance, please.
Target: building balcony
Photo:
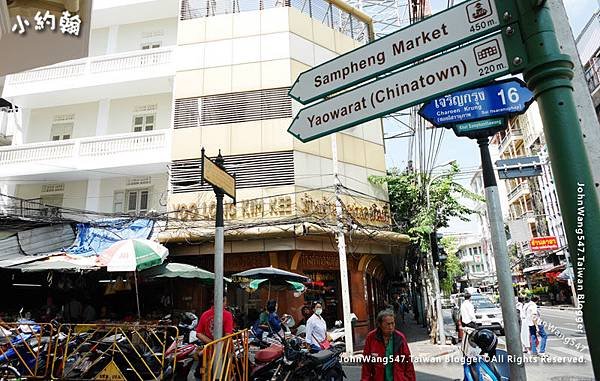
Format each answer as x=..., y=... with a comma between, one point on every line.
x=518, y=191
x=592, y=76
x=140, y=72
x=512, y=135
x=137, y=153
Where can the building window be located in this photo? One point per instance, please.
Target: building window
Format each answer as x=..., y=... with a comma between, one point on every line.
x=61, y=131
x=131, y=201
x=143, y=122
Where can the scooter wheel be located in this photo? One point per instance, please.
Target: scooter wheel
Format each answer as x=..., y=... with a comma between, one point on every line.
x=9, y=373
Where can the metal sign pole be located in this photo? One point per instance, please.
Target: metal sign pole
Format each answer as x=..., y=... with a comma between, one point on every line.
x=549, y=75
x=503, y=270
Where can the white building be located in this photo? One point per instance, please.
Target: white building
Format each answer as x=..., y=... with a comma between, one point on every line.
x=94, y=133
x=588, y=46
x=476, y=255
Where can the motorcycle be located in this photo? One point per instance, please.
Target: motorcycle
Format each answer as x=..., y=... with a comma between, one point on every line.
x=181, y=356
x=483, y=362
x=298, y=364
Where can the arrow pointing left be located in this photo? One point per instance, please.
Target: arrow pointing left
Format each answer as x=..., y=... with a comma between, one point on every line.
x=452, y=71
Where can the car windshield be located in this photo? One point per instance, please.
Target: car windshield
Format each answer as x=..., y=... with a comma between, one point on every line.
x=482, y=303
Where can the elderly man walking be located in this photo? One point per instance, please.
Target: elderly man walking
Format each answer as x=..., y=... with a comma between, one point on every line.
x=386, y=356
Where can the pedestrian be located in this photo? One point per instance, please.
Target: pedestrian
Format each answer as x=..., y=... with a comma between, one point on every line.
x=535, y=327
x=306, y=312
x=521, y=303
x=386, y=355
x=316, y=329
x=205, y=328
x=467, y=312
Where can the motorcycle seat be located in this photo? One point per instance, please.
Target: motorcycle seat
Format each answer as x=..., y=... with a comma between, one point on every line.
x=269, y=354
x=321, y=356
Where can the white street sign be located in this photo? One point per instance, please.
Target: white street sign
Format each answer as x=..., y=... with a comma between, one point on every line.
x=463, y=22
x=474, y=63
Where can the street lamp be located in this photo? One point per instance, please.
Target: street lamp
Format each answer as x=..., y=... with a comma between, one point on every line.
x=436, y=279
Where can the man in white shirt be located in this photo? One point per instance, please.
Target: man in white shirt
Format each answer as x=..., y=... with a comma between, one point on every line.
x=467, y=312
x=532, y=319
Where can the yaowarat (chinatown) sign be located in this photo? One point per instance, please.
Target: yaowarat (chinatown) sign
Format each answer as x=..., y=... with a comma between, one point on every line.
x=543, y=243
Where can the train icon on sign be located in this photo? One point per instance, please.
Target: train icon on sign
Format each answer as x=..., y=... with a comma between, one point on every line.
x=479, y=10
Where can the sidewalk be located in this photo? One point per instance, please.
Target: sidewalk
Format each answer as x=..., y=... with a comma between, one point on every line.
x=564, y=307
x=421, y=347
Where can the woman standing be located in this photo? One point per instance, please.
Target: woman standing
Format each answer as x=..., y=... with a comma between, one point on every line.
x=521, y=307
x=316, y=329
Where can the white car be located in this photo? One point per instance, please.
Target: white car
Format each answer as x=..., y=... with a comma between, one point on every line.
x=487, y=314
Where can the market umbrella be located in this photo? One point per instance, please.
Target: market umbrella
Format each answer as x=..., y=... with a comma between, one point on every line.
x=269, y=275
x=133, y=255
x=288, y=285
x=181, y=270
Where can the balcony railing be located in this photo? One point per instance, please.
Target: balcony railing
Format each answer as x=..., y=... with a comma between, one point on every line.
x=95, y=65
x=592, y=75
x=516, y=190
x=512, y=133
x=90, y=150
x=327, y=12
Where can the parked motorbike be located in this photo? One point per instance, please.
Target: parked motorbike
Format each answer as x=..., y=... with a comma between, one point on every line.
x=180, y=357
x=300, y=365
x=483, y=362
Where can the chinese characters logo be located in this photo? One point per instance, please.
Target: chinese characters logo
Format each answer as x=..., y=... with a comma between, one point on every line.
x=68, y=24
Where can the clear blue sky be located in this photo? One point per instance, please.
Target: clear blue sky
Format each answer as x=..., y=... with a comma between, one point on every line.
x=464, y=150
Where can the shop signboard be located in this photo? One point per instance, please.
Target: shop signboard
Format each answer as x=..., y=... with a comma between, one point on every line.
x=543, y=243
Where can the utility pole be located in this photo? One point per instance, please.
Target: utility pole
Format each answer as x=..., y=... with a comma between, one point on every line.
x=503, y=270
x=549, y=75
x=341, y=240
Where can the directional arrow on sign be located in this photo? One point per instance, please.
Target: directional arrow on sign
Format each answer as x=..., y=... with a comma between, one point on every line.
x=463, y=22
x=502, y=98
x=476, y=62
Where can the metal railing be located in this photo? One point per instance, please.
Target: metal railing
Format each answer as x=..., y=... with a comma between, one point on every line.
x=512, y=133
x=114, y=352
x=521, y=187
x=592, y=75
x=85, y=147
x=334, y=14
x=27, y=207
x=138, y=59
x=25, y=350
x=226, y=358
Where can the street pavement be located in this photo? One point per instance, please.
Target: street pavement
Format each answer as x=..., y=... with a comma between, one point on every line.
x=563, y=338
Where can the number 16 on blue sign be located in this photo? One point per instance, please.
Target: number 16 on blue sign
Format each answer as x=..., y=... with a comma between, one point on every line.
x=501, y=98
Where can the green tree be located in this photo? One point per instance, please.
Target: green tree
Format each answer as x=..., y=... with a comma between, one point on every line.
x=421, y=204
x=408, y=193
x=453, y=267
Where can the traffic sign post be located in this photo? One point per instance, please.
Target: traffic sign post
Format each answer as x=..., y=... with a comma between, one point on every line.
x=469, y=65
x=549, y=76
x=223, y=183
x=461, y=23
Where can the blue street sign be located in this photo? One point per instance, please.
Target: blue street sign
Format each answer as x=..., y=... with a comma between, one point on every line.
x=502, y=98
